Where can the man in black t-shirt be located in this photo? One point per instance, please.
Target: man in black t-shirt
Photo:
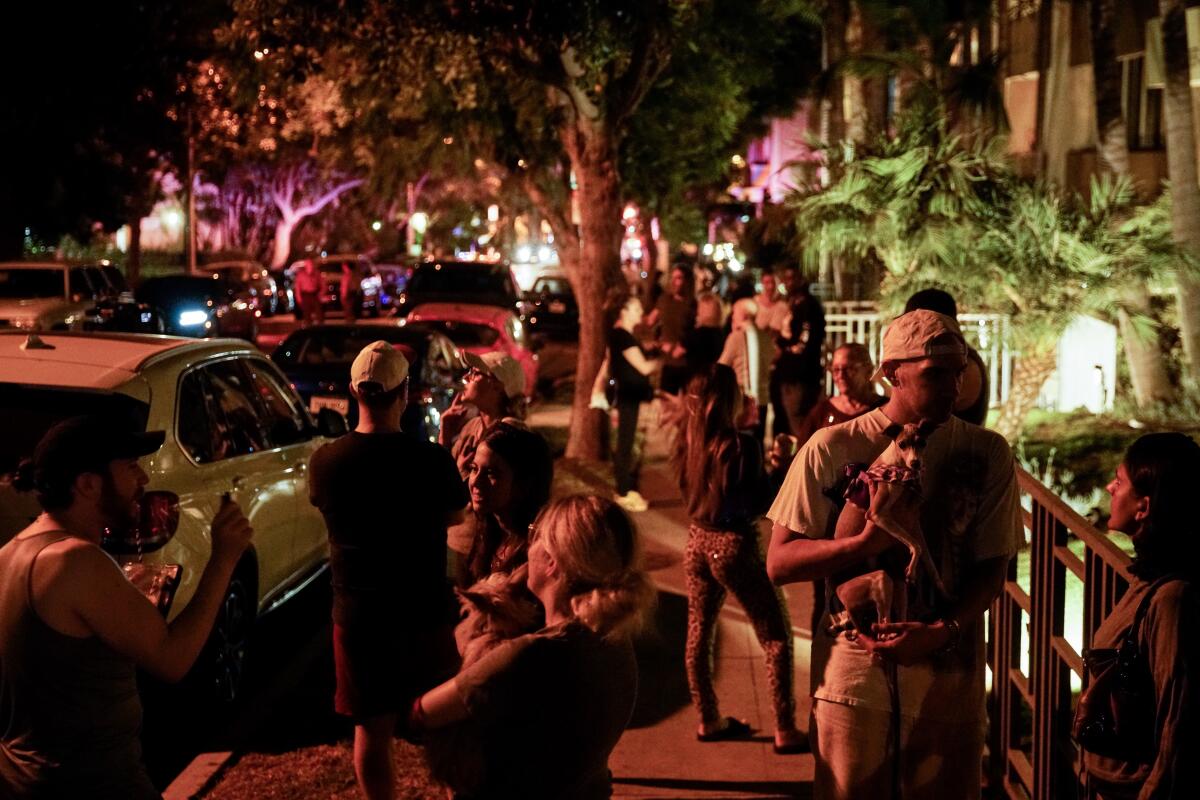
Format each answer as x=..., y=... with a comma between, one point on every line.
x=797, y=377
x=387, y=498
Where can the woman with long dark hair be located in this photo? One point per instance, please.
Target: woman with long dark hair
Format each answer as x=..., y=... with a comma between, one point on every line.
x=510, y=478
x=1153, y=500
x=724, y=486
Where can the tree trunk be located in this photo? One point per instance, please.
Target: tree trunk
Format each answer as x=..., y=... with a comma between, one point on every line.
x=834, y=108
x=282, y=246
x=1181, y=168
x=594, y=160
x=1147, y=366
x=866, y=98
x=1029, y=375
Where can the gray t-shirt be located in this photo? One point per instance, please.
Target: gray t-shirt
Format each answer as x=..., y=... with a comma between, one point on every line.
x=550, y=707
x=970, y=512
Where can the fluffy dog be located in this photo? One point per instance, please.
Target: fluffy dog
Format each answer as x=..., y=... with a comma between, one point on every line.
x=497, y=608
x=887, y=494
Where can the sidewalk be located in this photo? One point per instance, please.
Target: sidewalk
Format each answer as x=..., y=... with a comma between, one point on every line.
x=659, y=755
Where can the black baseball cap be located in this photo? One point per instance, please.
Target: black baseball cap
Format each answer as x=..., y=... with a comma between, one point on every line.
x=87, y=444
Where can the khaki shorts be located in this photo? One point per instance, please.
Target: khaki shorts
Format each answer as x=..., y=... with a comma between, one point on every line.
x=852, y=748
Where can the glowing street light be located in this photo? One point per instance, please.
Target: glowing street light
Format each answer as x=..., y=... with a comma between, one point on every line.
x=419, y=222
x=376, y=226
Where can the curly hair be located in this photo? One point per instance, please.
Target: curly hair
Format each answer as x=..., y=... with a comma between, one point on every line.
x=595, y=544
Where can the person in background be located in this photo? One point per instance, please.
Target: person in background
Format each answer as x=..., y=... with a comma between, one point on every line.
x=510, y=482
x=630, y=369
x=702, y=345
x=350, y=291
x=975, y=395
x=725, y=489
x=1153, y=501
x=308, y=285
x=74, y=630
x=851, y=369
x=674, y=317
x=493, y=390
x=550, y=706
x=772, y=306
x=750, y=353
x=387, y=498
x=798, y=377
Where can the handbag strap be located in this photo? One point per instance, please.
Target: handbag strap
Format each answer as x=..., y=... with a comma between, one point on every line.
x=1130, y=638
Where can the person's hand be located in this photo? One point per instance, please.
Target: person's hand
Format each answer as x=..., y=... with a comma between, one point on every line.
x=905, y=643
x=231, y=531
x=453, y=419
x=678, y=351
x=782, y=453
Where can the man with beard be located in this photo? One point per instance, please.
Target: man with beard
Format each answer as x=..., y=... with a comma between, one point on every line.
x=73, y=629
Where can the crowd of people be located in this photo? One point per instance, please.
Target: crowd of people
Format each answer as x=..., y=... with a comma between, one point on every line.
x=536, y=708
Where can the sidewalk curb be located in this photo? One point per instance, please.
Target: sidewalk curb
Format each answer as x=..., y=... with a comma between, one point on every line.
x=198, y=776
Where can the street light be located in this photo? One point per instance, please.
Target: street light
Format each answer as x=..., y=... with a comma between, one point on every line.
x=419, y=222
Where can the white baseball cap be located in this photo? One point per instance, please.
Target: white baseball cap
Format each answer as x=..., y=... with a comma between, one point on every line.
x=381, y=364
x=920, y=334
x=502, y=367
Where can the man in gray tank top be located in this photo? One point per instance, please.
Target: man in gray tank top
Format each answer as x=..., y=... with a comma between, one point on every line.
x=73, y=629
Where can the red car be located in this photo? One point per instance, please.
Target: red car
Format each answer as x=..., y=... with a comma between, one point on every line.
x=481, y=329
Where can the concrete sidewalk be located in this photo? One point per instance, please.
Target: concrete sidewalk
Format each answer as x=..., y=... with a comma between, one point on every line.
x=659, y=755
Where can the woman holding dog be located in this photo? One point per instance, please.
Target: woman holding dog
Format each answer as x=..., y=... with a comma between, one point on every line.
x=551, y=705
x=724, y=485
x=509, y=481
x=1153, y=501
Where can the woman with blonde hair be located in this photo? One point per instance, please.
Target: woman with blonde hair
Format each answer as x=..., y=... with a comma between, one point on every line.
x=724, y=486
x=550, y=706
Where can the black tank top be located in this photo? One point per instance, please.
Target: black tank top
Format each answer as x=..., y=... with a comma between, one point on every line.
x=70, y=716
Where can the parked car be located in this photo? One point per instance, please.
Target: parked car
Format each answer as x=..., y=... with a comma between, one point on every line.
x=480, y=329
x=49, y=295
x=264, y=293
x=331, y=273
x=195, y=305
x=392, y=280
x=317, y=362
x=549, y=308
x=232, y=423
x=477, y=282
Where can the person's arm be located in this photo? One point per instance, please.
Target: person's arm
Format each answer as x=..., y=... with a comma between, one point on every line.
x=437, y=708
x=121, y=617
x=638, y=361
x=1172, y=636
x=793, y=557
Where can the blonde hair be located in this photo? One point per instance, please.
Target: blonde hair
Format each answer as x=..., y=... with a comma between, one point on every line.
x=595, y=544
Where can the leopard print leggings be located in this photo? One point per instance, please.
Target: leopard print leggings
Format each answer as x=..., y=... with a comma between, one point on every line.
x=714, y=563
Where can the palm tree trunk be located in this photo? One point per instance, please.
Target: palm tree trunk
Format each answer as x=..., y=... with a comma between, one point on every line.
x=1181, y=168
x=1029, y=375
x=1147, y=367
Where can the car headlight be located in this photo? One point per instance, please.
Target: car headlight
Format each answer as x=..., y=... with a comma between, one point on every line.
x=193, y=317
x=240, y=305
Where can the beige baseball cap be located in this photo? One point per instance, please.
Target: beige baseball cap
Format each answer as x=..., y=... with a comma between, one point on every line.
x=920, y=334
x=502, y=367
x=379, y=363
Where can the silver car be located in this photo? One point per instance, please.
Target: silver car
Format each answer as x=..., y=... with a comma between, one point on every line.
x=48, y=295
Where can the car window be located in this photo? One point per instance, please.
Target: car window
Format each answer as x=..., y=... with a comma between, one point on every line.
x=336, y=346
x=464, y=334
x=115, y=279
x=463, y=279
x=551, y=286
x=21, y=284
x=286, y=423
x=237, y=425
x=78, y=283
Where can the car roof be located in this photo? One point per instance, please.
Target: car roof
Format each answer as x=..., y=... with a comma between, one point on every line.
x=476, y=313
x=97, y=360
x=246, y=264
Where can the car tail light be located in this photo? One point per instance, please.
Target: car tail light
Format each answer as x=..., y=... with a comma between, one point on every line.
x=158, y=519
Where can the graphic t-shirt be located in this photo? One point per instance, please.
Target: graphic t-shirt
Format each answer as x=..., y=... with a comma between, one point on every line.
x=385, y=498
x=970, y=513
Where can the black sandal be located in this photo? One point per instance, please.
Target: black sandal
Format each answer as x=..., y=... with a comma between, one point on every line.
x=732, y=729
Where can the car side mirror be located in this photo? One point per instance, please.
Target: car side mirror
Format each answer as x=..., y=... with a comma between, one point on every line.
x=330, y=423
x=156, y=524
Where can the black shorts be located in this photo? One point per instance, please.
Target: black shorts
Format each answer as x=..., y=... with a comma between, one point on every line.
x=382, y=670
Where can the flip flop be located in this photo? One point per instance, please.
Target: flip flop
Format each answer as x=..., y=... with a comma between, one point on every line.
x=732, y=729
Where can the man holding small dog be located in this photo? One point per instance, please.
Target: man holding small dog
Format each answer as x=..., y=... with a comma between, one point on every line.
x=900, y=708
x=387, y=498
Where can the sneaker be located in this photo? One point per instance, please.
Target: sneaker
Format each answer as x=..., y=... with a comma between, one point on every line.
x=632, y=501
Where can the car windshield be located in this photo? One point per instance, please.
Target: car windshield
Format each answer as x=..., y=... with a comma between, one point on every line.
x=552, y=286
x=25, y=283
x=466, y=279
x=339, y=346
x=173, y=290
x=463, y=334
x=28, y=412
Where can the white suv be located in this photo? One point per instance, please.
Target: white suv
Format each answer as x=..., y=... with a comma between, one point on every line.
x=48, y=295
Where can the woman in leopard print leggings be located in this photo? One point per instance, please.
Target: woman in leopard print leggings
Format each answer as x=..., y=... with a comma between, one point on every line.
x=725, y=488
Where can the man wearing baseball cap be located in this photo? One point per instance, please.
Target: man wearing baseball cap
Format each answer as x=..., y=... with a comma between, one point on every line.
x=73, y=629
x=971, y=521
x=493, y=390
x=387, y=498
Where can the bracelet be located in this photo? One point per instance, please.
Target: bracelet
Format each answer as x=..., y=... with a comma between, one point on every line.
x=955, y=629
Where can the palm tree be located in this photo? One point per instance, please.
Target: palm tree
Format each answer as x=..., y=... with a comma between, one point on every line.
x=1181, y=167
x=1143, y=352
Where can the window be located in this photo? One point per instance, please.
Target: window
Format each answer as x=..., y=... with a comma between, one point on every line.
x=1142, y=105
x=286, y=424
x=219, y=414
x=20, y=283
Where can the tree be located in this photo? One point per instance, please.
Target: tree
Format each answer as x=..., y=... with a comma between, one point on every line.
x=1135, y=316
x=1181, y=167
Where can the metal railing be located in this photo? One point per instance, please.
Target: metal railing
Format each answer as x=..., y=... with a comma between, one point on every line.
x=987, y=333
x=1036, y=671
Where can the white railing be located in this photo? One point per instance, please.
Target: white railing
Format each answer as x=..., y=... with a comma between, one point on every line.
x=857, y=321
